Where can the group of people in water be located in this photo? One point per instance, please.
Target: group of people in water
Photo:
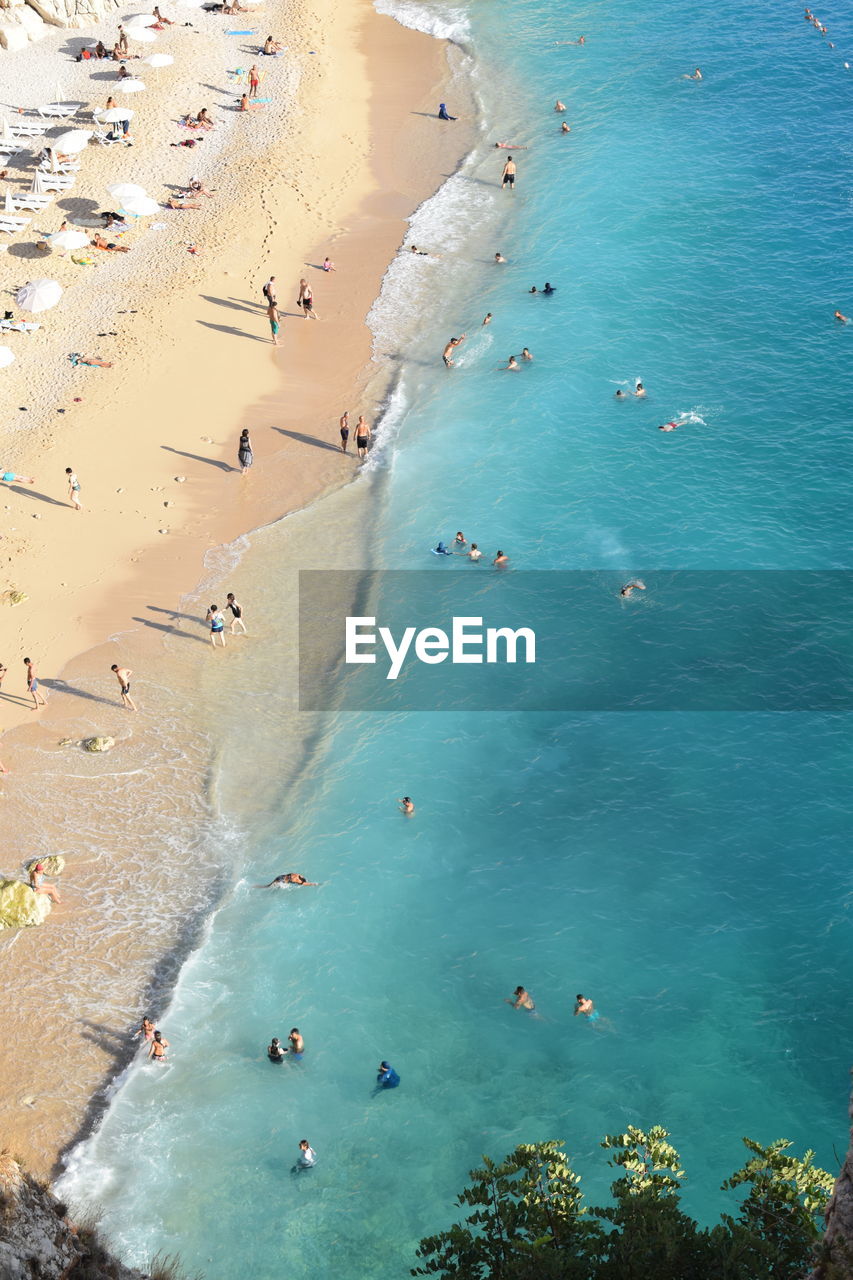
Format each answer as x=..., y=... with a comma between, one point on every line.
x=522, y=999
x=473, y=553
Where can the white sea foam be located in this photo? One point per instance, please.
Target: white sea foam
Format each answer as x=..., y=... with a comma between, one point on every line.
x=446, y=22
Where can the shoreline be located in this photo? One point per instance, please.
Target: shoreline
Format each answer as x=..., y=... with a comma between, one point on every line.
x=38, y=1136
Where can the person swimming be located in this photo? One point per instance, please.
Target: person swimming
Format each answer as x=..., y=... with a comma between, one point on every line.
x=290, y=877
x=387, y=1077
x=275, y=1052
x=521, y=1000
x=631, y=587
x=407, y=806
x=441, y=550
x=584, y=1005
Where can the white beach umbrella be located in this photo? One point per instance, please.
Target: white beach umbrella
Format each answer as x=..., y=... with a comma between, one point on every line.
x=39, y=295
x=159, y=60
x=115, y=115
x=143, y=34
x=126, y=190
x=68, y=240
x=6, y=357
x=130, y=86
x=141, y=20
x=140, y=206
x=71, y=142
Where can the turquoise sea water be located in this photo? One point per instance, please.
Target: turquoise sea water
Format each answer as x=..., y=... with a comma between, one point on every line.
x=689, y=871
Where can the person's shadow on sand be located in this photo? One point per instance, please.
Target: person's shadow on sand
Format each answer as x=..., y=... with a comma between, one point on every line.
x=39, y=497
x=197, y=457
x=230, y=328
x=303, y=439
x=170, y=631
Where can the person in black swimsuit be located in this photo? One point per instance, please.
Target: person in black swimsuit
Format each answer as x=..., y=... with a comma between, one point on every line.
x=236, y=612
x=275, y=1053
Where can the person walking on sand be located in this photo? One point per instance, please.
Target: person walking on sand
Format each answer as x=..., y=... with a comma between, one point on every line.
x=344, y=426
x=216, y=619
x=236, y=614
x=306, y=300
x=508, y=175
x=73, y=489
x=362, y=437
x=38, y=885
x=245, y=456
x=33, y=684
x=272, y=314
x=123, y=674
x=270, y=295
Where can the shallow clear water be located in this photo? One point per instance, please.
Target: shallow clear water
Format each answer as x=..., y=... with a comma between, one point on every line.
x=688, y=871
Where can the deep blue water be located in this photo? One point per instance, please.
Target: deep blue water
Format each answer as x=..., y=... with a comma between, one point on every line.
x=689, y=871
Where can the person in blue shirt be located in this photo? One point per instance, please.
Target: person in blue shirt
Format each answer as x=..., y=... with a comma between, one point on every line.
x=387, y=1077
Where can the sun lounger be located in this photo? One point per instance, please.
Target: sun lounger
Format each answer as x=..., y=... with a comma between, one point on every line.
x=58, y=111
x=33, y=200
x=56, y=181
x=12, y=224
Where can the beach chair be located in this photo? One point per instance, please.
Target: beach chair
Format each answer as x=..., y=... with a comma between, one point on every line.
x=60, y=166
x=58, y=111
x=12, y=223
x=55, y=181
x=103, y=138
x=34, y=200
x=19, y=129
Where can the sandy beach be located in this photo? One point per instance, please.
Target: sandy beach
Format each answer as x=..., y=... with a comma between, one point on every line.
x=348, y=147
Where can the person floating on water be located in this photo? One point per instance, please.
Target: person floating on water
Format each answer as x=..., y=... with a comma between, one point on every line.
x=584, y=1005
x=441, y=550
x=697, y=75
x=620, y=394
x=842, y=318
x=521, y=1000
x=387, y=1077
x=630, y=587
x=407, y=806
x=512, y=146
x=289, y=877
x=442, y=112
x=275, y=1053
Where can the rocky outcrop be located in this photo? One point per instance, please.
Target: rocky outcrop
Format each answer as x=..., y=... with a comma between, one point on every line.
x=20, y=907
x=99, y=744
x=52, y=865
x=836, y=1252
x=25, y=20
x=37, y=1240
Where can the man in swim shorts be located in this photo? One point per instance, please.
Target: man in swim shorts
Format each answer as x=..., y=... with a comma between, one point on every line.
x=33, y=684
x=123, y=674
x=583, y=1005
x=446, y=355
x=344, y=425
x=508, y=175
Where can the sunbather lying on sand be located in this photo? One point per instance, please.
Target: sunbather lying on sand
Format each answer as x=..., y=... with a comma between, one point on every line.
x=174, y=203
x=76, y=359
x=100, y=243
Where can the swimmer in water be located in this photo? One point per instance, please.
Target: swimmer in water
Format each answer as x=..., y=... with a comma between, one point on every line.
x=290, y=877
x=158, y=1048
x=533, y=289
x=697, y=75
x=306, y=1159
x=421, y=252
x=631, y=587
x=446, y=355
x=521, y=999
x=407, y=806
x=525, y=354
x=511, y=146
x=441, y=550
x=460, y=540
x=549, y=288
x=487, y=319
x=512, y=364
x=297, y=1044
x=584, y=1005
x=275, y=1053
x=499, y=257
x=500, y=560
x=564, y=128
x=559, y=106
x=146, y=1030
x=639, y=390
x=620, y=394
x=841, y=318
x=386, y=1077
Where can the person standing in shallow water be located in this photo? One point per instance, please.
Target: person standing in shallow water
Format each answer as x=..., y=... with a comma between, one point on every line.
x=362, y=437
x=522, y=999
x=307, y=1157
x=344, y=426
x=245, y=456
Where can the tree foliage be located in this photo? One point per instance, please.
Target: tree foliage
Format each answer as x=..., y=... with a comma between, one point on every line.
x=527, y=1219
